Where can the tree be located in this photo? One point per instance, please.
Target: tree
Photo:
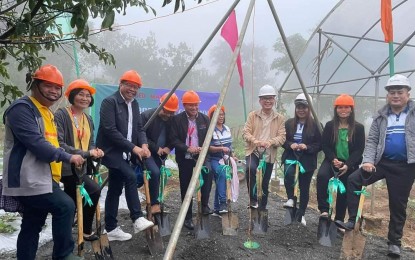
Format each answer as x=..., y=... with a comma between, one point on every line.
x=25, y=31
x=283, y=63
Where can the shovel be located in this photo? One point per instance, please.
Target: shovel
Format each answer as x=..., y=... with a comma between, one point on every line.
x=327, y=229
x=100, y=247
x=230, y=222
x=291, y=212
x=162, y=219
x=202, y=227
x=79, y=173
x=260, y=215
x=154, y=241
x=354, y=241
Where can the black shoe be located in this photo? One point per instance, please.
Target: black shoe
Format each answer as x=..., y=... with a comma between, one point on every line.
x=206, y=210
x=347, y=226
x=394, y=251
x=91, y=237
x=188, y=223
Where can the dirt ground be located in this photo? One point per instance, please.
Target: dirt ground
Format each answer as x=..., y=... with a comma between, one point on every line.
x=280, y=242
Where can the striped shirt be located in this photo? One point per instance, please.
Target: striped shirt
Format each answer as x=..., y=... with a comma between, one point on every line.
x=395, y=144
x=221, y=138
x=298, y=136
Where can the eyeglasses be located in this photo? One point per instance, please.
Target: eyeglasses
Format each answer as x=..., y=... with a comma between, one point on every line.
x=130, y=85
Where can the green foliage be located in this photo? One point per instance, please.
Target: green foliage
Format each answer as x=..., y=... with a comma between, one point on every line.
x=26, y=29
x=296, y=43
x=4, y=226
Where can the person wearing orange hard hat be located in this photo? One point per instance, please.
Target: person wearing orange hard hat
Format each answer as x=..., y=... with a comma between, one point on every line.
x=32, y=165
x=343, y=141
x=158, y=144
x=188, y=132
x=76, y=136
x=122, y=137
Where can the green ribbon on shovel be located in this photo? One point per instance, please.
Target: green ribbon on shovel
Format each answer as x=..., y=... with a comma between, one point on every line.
x=227, y=169
x=204, y=170
x=98, y=176
x=85, y=195
x=147, y=173
x=335, y=185
x=165, y=173
x=262, y=165
x=365, y=193
x=294, y=162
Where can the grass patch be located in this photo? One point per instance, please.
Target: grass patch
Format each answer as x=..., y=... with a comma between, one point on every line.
x=5, y=227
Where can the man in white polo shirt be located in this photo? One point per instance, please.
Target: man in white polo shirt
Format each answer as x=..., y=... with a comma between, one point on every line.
x=389, y=154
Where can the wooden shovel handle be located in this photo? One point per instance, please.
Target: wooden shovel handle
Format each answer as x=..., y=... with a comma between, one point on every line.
x=360, y=210
x=297, y=169
x=148, y=198
x=79, y=209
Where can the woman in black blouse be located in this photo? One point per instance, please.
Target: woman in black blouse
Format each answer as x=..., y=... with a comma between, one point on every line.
x=343, y=142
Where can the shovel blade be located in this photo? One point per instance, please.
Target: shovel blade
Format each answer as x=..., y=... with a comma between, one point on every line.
x=154, y=241
x=289, y=216
x=259, y=221
x=163, y=223
x=327, y=232
x=104, y=247
x=230, y=224
x=202, y=227
x=353, y=245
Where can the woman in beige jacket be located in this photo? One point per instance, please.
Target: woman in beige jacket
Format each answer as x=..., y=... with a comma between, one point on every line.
x=264, y=132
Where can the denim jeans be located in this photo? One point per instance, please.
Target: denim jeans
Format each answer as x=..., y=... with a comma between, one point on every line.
x=153, y=164
x=122, y=177
x=36, y=209
x=220, y=179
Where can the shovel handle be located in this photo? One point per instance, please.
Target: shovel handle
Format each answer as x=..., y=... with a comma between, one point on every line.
x=148, y=198
x=80, y=220
x=297, y=170
x=360, y=209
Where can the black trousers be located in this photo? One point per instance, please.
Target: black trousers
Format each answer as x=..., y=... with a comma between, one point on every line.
x=185, y=174
x=399, y=180
x=323, y=176
x=94, y=192
x=252, y=162
x=304, y=180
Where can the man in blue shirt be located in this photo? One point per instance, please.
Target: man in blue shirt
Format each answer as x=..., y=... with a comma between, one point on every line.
x=389, y=154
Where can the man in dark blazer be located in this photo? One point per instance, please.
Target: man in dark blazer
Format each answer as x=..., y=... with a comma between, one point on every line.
x=188, y=132
x=122, y=138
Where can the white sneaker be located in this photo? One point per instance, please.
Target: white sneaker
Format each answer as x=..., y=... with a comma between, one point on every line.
x=141, y=224
x=303, y=221
x=289, y=203
x=118, y=235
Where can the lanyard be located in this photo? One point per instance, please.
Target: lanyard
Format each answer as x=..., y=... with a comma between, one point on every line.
x=79, y=132
x=190, y=131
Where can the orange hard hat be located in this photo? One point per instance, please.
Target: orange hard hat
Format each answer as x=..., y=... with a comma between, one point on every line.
x=172, y=103
x=190, y=97
x=212, y=109
x=132, y=76
x=50, y=74
x=344, y=100
x=79, y=83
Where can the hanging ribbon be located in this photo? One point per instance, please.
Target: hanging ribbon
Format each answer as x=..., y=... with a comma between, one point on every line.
x=165, y=173
x=98, y=176
x=147, y=173
x=204, y=170
x=294, y=162
x=227, y=169
x=85, y=195
x=262, y=165
x=335, y=185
